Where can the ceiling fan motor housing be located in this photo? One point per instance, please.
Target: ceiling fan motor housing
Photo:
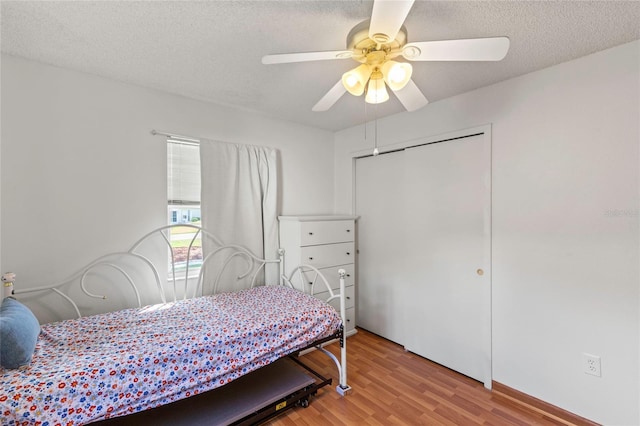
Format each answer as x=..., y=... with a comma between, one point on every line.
x=374, y=51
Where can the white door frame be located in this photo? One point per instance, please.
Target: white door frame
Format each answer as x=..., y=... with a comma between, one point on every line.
x=485, y=131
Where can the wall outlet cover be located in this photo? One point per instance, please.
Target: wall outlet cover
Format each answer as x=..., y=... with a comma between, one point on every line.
x=591, y=364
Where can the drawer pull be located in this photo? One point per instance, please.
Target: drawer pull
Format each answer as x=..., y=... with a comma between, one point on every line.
x=348, y=298
x=348, y=275
x=310, y=233
x=348, y=230
x=310, y=283
x=348, y=254
x=311, y=258
x=348, y=320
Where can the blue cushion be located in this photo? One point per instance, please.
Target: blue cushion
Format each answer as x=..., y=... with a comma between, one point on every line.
x=19, y=330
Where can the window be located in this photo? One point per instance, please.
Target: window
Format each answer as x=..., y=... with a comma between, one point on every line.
x=183, y=182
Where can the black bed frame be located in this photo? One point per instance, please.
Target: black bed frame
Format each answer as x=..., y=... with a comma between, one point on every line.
x=298, y=398
x=201, y=409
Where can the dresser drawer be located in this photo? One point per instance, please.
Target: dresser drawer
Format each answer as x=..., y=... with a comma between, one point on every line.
x=326, y=232
x=331, y=274
x=349, y=298
x=308, y=277
x=351, y=320
x=328, y=255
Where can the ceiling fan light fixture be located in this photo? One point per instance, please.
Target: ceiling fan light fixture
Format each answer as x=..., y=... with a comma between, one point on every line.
x=376, y=89
x=356, y=79
x=396, y=74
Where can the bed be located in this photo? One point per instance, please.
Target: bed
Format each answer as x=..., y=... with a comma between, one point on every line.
x=139, y=359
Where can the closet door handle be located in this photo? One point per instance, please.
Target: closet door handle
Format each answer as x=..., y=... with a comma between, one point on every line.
x=311, y=258
x=310, y=233
x=348, y=230
x=348, y=253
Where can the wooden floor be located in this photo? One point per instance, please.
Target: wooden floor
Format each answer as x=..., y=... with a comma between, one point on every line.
x=394, y=387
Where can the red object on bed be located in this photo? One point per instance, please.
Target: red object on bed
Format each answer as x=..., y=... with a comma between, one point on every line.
x=113, y=364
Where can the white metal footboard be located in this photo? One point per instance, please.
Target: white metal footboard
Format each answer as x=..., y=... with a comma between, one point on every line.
x=310, y=275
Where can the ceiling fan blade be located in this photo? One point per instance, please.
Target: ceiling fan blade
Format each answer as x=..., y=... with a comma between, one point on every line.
x=387, y=18
x=411, y=97
x=286, y=58
x=330, y=98
x=473, y=49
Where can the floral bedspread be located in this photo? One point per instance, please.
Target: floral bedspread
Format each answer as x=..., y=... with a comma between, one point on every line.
x=127, y=361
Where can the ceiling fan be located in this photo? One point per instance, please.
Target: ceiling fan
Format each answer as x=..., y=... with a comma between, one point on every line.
x=375, y=43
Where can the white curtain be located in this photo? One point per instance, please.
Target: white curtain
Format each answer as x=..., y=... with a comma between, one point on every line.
x=239, y=205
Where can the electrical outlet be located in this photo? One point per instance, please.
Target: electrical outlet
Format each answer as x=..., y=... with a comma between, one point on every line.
x=591, y=364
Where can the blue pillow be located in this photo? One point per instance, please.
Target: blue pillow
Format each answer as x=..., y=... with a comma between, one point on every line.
x=19, y=330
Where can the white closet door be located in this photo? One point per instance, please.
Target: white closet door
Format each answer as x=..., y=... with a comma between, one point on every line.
x=378, y=180
x=447, y=202
x=424, y=262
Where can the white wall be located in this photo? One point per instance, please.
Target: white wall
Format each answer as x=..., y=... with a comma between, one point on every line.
x=82, y=175
x=565, y=224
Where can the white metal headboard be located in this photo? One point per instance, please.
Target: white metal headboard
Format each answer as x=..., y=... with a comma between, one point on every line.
x=116, y=261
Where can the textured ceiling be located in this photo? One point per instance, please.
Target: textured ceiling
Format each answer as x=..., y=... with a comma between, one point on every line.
x=211, y=50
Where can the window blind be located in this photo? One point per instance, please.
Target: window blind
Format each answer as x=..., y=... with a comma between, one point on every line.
x=183, y=163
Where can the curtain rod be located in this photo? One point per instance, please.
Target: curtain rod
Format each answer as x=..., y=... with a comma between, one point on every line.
x=155, y=132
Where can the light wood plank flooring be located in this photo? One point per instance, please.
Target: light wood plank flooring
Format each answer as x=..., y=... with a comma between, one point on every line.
x=394, y=387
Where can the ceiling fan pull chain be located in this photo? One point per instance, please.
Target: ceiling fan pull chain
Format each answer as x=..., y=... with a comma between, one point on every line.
x=365, y=122
x=375, y=135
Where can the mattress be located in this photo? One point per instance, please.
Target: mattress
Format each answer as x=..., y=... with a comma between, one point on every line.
x=127, y=361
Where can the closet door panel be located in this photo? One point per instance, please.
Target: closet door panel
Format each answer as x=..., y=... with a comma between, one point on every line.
x=424, y=251
x=446, y=203
x=380, y=244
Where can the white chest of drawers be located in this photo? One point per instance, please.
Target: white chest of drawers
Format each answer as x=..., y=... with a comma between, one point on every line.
x=329, y=244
